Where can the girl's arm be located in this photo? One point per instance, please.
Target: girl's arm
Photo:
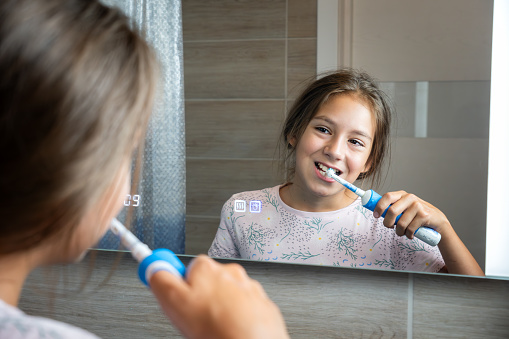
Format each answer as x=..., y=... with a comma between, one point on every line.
x=457, y=257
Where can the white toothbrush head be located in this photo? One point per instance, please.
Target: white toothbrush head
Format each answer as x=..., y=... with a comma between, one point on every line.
x=332, y=174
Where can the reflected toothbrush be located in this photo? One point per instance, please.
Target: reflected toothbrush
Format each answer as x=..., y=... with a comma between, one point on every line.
x=150, y=261
x=369, y=200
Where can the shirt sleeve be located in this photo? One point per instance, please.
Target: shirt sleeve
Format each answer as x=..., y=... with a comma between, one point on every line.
x=15, y=324
x=224, y=244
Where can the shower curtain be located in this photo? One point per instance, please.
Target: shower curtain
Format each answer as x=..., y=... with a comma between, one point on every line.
x=158, y=206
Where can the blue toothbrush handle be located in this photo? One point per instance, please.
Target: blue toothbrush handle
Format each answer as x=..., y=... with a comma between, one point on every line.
x=161, y=259
x=426, y=234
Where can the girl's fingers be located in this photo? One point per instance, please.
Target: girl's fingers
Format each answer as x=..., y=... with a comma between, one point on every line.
x=414, y=213
x=175, y=297
x=396, y=203
x=387, y=201
x=201, y=265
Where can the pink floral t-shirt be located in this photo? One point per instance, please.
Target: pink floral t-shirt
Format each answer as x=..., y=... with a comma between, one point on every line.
x=258, y=225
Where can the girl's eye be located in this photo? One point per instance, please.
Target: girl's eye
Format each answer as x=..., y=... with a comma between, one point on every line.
x=357, y=142
x=322, y=129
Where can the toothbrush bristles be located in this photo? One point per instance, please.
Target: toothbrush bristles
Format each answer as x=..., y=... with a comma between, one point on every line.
x=331, y=174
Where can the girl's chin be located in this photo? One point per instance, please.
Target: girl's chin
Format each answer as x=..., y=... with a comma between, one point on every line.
x=326, y=192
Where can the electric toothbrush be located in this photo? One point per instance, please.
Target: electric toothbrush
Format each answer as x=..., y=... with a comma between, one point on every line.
x=150, y=261
x=369, y=200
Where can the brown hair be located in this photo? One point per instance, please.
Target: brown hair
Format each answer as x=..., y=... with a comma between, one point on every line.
x=76, y=93
x=345, y=81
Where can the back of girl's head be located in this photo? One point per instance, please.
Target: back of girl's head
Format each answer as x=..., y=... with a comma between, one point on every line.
x=342, y=82
x=76, y=90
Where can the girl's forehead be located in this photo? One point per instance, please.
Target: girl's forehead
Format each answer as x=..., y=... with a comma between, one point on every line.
x=353, y=97
x=346, y=104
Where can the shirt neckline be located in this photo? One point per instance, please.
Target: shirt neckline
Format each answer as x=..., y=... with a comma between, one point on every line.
x=308, y=214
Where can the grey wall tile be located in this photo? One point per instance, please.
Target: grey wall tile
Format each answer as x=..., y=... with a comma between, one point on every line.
x=230, y=19
x=460, y=307
x=402, y=40
x=459, y=109
x=452, y=177
x=200, y=232
x=211, y=182
x=233, y=129
x=104, y=297
x=330, y=302
x=403, y=98
x=302, y=15
x=316, y=301
x=455, y=109
x=234, y=69
x=301, y=65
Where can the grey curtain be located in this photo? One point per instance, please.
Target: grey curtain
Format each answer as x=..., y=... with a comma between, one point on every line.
x=159, y=218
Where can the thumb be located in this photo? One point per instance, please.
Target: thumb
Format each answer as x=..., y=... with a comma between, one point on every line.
x=170, y=290
x=175, y=298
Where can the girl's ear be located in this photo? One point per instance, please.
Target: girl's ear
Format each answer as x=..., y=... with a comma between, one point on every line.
x=292, y=141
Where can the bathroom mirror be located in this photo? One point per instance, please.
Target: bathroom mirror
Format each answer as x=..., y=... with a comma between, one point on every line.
x=244, y=63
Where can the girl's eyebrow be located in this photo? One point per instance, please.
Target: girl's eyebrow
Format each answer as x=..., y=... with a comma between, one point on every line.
x=359, y=132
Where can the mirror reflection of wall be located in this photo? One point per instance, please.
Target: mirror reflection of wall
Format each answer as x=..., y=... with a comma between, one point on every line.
x=434, y=59
x=243, y=62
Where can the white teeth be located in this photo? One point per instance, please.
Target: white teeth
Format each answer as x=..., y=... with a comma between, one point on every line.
x=323, y=169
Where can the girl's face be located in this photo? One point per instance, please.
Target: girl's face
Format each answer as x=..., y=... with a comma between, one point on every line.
x=340, y=136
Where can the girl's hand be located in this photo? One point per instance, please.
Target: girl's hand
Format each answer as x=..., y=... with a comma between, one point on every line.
x=217, y=301
x=417, y=213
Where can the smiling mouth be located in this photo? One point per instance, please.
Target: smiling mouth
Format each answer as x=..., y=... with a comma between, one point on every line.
x=323, y=169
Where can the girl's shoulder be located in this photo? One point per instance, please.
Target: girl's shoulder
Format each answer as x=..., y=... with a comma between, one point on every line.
x=17, y=325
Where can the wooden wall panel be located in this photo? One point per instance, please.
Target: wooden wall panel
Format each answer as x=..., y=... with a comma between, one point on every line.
x=200, y=232
x=316, y=301
x=301, y=65
x=302, y=15
x=211, y=182
x=241, y=59
x=244, y=129
x=234, y=69
x=231, y=19
x=458, y=307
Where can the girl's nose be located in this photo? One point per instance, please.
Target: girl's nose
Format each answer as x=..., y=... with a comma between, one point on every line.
x=335, y=149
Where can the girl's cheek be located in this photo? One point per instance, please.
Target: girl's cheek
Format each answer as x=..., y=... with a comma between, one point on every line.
x=359, y=162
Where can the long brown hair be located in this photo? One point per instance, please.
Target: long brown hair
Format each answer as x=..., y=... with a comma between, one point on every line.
x=345, y=81
x=76, y=91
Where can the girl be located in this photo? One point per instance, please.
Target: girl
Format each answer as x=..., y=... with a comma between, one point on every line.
x=340, y=121
x=76, y=93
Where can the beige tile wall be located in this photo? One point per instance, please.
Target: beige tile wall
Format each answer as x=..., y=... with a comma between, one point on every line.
x=243, y=61
x=316, y=302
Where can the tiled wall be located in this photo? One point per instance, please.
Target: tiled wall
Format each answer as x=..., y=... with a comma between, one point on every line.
x=316, y=302
x=410, y=43
x=243, y=63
